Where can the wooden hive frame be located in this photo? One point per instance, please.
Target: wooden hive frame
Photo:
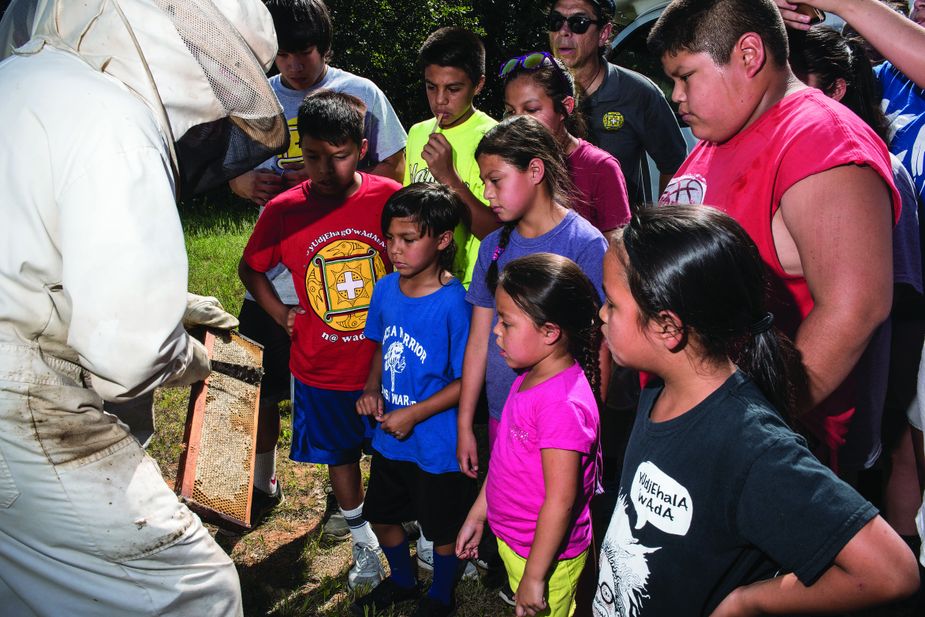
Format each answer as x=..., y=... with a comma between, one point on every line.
x=208, y=422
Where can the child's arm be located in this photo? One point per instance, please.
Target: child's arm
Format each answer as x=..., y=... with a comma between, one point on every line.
x=438, y=154
x=473, y=378
x=370, y=402
x=560, y=478
x=470, y=534
x=260, y=287
x=874, y=567
x=400, y=421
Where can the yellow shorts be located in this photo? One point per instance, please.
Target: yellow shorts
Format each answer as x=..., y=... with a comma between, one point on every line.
x=561, y=582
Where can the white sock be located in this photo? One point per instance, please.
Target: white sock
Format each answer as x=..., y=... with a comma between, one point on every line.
x=265, y=471
x=360, y=529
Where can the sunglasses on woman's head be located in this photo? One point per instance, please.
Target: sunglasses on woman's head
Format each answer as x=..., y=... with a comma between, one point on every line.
x=530, y=61
x=578, y=24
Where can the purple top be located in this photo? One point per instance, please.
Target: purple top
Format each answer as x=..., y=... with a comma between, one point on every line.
x=602, y=197
x=574, y=238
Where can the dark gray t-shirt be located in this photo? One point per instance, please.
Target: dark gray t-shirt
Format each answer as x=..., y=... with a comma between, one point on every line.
x=628, y=116
x=721, y=496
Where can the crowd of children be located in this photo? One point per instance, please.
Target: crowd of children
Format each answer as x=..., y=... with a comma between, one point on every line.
x=487, y=281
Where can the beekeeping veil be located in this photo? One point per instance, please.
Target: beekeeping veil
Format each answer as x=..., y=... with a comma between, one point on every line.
x=198, y=64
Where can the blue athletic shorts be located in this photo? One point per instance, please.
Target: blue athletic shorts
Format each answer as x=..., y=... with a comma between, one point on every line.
x=326, y=427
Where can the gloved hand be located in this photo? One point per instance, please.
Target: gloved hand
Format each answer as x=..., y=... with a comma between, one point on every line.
x=207, y=311
x=195, y=368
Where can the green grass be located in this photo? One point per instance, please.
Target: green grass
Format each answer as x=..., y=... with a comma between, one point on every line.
x=284, y=568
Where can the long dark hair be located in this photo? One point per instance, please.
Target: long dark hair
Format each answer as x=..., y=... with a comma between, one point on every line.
x=553, y=289
x=554, y=78
x=517, y=141
x=433, y=207
x=698, y=263
x=829, y=55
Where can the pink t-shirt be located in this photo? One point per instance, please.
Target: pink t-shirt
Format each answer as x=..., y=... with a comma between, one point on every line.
x=559, y=413
x=602, y=199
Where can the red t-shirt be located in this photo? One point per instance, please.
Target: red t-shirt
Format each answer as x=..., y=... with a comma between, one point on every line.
x=803, y=134
x=602, y=199
x=336, y=253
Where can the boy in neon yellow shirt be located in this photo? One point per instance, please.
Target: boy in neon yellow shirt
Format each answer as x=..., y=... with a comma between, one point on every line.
x=443, y=149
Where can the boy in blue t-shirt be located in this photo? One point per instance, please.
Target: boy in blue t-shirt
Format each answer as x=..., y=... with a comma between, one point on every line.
x=420, y=318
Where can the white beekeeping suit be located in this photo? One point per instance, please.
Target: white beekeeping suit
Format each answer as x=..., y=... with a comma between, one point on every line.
x=110, y=108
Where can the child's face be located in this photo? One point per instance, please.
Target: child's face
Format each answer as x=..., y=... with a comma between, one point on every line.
x=332, y=167
x=509, y=190
x=627, y=339
x=409, y=251
x=713, y=100
x=522, y=343
x=449, y=93
x=300, y=69
x=524, y=97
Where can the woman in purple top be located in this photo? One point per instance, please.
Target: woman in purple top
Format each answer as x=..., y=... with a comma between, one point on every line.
x=538, y=85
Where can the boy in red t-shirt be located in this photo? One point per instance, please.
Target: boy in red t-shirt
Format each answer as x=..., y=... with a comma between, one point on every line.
x=327, y=233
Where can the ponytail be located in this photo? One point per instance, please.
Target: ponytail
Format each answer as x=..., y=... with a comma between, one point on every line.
x=770, y=359
x=491, y=276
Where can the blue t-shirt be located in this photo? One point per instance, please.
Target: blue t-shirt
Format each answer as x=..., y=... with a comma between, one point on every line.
x=423, y=342
x=573, y=237
x=904, y=106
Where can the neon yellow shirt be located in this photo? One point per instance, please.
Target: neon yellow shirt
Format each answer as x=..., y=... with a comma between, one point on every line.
x=464, y=139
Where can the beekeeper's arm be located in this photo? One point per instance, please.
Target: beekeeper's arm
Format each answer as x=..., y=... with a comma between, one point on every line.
x=125, y=268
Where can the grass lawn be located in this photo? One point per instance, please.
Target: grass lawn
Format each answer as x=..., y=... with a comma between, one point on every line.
x=285, y=570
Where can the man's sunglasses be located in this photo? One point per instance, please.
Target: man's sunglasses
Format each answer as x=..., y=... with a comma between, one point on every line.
x=578, y=24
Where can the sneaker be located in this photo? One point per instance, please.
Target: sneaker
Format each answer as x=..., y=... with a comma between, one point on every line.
x=335, y=528
x=425, y=555
x=385, y=595
x=429, y=607
x=263, y=503
x=506, y=595
x=367, y=567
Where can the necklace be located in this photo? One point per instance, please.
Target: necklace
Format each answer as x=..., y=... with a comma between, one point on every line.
x=600, y=67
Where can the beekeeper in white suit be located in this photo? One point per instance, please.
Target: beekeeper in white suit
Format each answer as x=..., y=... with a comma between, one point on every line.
x=110, y=109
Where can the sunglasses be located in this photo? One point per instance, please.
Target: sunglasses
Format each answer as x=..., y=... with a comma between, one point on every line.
x=530, y=62
x=578, y=24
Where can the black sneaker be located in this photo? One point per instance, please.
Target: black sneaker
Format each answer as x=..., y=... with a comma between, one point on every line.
x=263, y=503
x=431, y=607
x=385, y=595
x=506, y=595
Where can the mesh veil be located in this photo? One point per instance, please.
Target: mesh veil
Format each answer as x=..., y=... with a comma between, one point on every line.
x=255, y=128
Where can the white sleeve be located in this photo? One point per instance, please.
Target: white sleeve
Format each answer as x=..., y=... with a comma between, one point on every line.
x=124, y=264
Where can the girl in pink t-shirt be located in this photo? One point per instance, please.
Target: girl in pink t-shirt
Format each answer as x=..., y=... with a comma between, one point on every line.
x=538, y=85
x=544, y=461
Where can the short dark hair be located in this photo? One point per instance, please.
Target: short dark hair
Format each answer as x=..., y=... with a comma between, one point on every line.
x=456, y=47
x=435, y=209
x=604, y=10
x=334, y=117
x=714, y=27
x=301, y=24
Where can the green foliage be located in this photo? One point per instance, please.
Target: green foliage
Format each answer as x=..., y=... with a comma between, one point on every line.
x=216, y=227
x=380, y=40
